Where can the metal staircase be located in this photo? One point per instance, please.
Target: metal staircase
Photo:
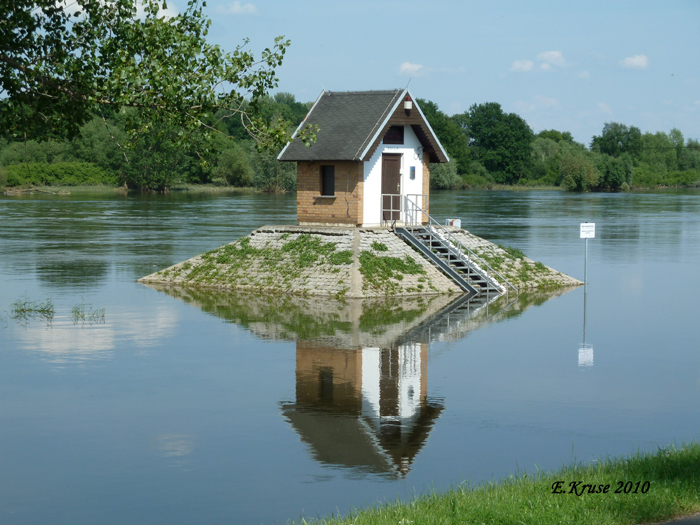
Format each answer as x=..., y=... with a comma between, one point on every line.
x=438, y=244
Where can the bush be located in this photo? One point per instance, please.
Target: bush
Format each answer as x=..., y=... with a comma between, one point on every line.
x=578, y=173
x=614, y=171
x=445, y=177
x=271, y=175
x=60, y=174
x=3, y=177
x=233, y=168
x=477, y=177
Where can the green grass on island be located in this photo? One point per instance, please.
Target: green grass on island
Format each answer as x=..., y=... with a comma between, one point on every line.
x=643, y=488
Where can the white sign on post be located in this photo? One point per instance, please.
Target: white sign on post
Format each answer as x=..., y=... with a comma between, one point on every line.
x=588, y=230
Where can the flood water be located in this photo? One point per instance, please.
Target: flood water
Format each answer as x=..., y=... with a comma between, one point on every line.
x=187, y=406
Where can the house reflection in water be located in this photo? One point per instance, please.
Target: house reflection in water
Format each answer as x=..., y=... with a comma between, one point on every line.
x=362, y=398
x=366, y=409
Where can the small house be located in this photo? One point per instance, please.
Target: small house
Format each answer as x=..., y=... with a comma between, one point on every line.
x=370, y=164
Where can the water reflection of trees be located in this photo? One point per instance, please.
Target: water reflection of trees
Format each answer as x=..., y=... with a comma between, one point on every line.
x=361, y=400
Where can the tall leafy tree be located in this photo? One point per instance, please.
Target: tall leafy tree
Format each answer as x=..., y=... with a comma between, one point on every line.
x=63, y=62
x=556, y=136
x=500, y=141
x=617, y=139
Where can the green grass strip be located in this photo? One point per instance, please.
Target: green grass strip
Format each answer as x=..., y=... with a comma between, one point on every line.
x=644, y=488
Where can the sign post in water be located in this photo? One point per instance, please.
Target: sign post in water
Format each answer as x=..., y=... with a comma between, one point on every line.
x=585, y=353
x=587, y=232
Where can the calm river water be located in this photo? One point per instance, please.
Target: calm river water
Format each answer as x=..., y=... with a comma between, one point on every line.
x=193, y=407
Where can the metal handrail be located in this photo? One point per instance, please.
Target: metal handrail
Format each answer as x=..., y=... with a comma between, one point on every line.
x=406, y=216
x=443, y=232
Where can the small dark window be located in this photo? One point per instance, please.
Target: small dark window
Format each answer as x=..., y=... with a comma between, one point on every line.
x=394, y=135
x=328, y=180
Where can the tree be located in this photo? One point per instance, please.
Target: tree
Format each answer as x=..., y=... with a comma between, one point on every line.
x=617, y=139
x=578, y=172
x=449, y=133
x=500, y=141
x=445, y=177
x=556, y=136
x=63, y=62
x=614, y=173
x=658, y=151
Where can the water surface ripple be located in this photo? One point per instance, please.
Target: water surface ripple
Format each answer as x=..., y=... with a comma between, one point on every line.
x=187, y=406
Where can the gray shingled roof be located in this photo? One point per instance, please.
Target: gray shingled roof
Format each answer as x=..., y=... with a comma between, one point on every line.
x=347, y=122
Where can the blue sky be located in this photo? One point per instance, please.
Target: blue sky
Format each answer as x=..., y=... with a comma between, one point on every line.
x=568, y=65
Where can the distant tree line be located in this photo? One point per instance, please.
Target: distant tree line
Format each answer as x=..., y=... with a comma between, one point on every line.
x=156, y=160
x=487, y=147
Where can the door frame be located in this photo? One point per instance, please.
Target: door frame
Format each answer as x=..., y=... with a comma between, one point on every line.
x=394, y=203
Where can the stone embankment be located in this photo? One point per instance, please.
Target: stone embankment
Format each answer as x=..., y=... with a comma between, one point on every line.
x=342, y=263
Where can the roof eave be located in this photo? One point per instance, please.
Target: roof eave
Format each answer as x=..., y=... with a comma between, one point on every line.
x=381, y=126
x=429, y=127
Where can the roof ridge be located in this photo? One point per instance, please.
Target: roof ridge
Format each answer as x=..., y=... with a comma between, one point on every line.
x=363, y=92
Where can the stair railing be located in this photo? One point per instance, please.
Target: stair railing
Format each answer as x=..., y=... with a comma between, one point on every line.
x=415, y=214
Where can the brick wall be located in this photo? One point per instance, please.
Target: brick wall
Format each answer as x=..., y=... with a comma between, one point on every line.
x=344, y=208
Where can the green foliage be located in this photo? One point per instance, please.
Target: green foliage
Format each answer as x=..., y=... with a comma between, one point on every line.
x=32, y=151
x=377, y=320
x=614, y=171
x=514, y=253
x=341, y=257
x=500, y=141
x=380, y=271
x=233, y=168
x=61, y=174
x=3, y=177
x=59, y=67
x=271, y=175
x=450, y=132
x=379, y=247
x=617, y=139
x=673, y=476
x=24, y=309
x=578, y=173
x=445, y=177
x=477, y=176
x=556, y=136
x=646, y=176
x=659, y=151
x=82, y=313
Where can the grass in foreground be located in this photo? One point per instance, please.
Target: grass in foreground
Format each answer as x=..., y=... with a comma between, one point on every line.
x=673, y=489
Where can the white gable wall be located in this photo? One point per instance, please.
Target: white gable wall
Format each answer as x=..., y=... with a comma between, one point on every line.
x=411, y=153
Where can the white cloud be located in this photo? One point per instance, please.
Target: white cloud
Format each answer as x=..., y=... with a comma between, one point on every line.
x=524, y=106
x=546, y=102
x=635, y=62
x=236, y=8
x=583, y=74
x=522, y=65
x=605, y=108
x=545, y=67
x=553, y=58
x=411, y=69
x=538, y=103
